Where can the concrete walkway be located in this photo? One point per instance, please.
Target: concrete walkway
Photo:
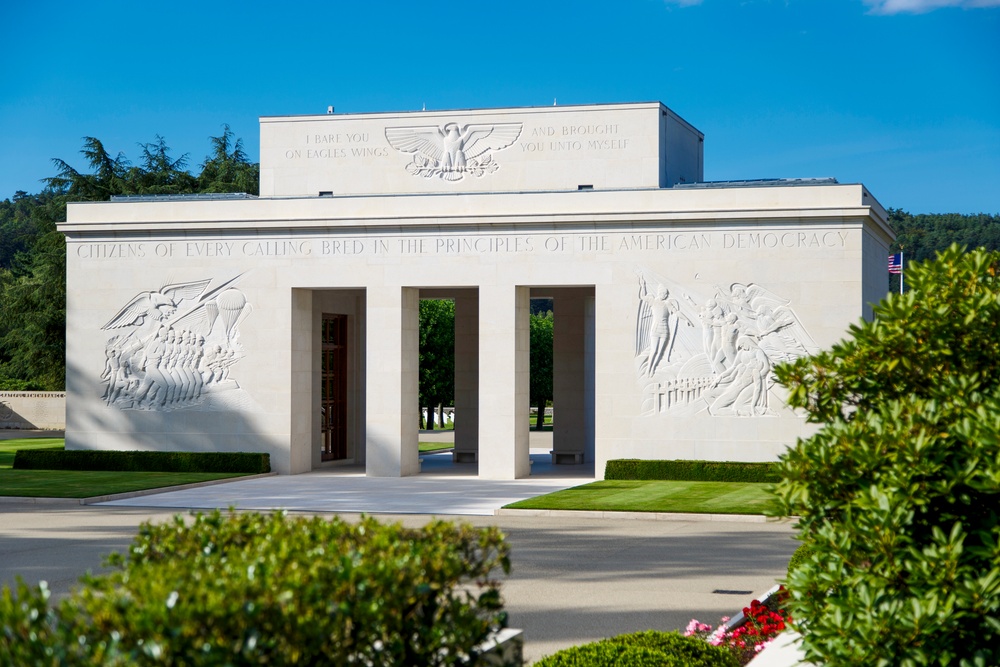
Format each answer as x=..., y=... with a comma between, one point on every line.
x=442, y=488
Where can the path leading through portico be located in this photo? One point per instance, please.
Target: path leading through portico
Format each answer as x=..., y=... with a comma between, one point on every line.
x=442, y=488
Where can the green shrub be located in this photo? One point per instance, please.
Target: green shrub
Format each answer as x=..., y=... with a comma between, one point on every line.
x=800, y=556
x=10, y=384
x=254, y=589
x=138, y=461
x=692, y=471
x=641, y=649
x=899, y=490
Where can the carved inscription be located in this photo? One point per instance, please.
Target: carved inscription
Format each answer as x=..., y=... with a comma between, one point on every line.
x=338, y=146
x=572, y=138
x=496, y=244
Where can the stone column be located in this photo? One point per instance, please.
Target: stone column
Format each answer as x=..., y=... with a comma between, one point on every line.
x=608, y=377
x=503, y=382
x=302, y=367
x=392, y=362
x=589, y=343
x=466, y=376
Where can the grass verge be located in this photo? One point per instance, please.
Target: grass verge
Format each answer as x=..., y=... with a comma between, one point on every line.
x=435, y=446
x=656, y=496
x=89, y=483
x=80, y=484
x=9, y=447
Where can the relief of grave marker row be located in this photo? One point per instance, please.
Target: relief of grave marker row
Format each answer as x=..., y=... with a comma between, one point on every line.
x=712, y=352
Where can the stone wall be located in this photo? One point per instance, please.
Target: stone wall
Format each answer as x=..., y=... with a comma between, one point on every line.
x=33, y=410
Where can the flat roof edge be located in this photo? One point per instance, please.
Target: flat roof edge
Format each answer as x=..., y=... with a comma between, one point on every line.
x=438, y=112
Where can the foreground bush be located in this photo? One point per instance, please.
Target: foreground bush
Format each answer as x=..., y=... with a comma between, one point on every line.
x=251, y=589
x=899, y=491
x=642, y=649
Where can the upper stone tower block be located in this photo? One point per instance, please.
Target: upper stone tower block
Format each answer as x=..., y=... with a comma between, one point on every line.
x=604, y=147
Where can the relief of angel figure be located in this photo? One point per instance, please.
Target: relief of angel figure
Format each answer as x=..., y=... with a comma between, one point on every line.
x=661, y=315
x=450, y=152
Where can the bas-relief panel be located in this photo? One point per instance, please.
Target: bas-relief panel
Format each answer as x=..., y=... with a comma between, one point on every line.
x=175, y=348
x=712, y=352
x=450, y=152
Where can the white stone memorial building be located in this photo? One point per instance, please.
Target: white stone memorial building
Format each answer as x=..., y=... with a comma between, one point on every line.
x=288, y=323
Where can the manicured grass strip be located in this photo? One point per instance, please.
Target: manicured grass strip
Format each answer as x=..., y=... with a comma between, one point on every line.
x=656, y=496
x=435, y=446
x=86, y=484
x=8, y=447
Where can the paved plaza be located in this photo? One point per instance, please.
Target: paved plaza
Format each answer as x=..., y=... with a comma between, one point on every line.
x=574, y=579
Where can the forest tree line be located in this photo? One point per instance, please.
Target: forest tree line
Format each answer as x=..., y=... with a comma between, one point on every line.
x=33, y=258
x=33, y=252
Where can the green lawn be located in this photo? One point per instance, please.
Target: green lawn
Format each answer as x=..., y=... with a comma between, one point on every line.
x=81, y=484
x=89, y=483
x=435, y=446
x=656, y=496
x=8, y=447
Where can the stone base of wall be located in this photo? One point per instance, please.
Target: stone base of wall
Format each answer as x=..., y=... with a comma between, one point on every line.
x=26, y=410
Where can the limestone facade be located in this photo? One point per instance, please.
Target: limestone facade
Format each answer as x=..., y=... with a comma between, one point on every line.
x=207, y=323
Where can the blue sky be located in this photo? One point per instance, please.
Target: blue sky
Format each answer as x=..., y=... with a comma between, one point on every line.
x=901, y=95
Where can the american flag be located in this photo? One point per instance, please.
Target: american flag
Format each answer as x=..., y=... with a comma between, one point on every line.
x=896, y=263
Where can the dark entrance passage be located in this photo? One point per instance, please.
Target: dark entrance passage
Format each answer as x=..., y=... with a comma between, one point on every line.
x=334, y=387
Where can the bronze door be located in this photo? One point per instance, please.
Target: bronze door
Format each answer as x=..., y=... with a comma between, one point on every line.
x=334, y=393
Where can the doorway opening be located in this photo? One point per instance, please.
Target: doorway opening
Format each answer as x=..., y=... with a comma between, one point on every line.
x=333, y=399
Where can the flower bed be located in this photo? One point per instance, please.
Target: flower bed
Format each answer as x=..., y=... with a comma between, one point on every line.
x=746, y=634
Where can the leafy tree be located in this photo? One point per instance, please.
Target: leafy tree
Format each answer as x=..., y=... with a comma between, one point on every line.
x=33, y=255
x=921, y=237
x=108, y=177
x=160, y=174
x=437, y=355
x=228, y=169
x=541, y=364
x=898, y=492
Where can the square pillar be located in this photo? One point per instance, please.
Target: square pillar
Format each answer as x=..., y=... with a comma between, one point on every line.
x=301, y=385
x=503, y=382
x=466, y=376
x=392, y=361
x=608, y=337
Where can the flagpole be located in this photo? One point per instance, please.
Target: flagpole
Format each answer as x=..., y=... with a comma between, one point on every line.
x=900, y=271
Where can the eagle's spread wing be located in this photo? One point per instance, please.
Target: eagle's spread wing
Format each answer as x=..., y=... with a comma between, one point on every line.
x=482, y=138
x=180, y=291
x=427, y=140
x=131, y=313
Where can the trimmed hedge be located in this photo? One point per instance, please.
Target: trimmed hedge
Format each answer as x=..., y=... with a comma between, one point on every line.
x=269, y=589
x=643, y=649
x=226, y=462
x=692, y=471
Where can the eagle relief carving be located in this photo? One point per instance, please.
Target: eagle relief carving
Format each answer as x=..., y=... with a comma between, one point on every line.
x=451, y=152
x=173, y=348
